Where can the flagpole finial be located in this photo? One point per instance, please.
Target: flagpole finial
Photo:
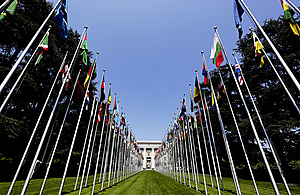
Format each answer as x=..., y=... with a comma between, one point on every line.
x=115, y=93
x=190, y=84
x=118, y=101
x=109, y=83
x=85, y=27
x=202, y=52
x=97, y=52
x=103, y=70
x=196, y=70
x=233, y=54
x=50, y=26
x=250, y=28
x=215, y=28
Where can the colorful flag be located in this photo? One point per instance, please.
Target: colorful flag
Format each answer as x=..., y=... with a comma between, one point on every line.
x=79, y=91
x=109, y=98
x=237, y=13
x=183, y=110
x=102, y=96
x=99, y=114
x=204, y=73
x=44, y=46
x=221, y=90
x=238, y=72
x=84, y=48
x=288, y=16
x=213, y=105
x=196, y=91
x=89, y=74
x=258, y=53
x=115, y=104
x=11, y=9
x=61, y=18
x=216, y=52
x=87, y=99
x=94, y=75
x=66, y=74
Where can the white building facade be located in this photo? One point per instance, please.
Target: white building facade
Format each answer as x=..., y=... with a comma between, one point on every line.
x=148, y=149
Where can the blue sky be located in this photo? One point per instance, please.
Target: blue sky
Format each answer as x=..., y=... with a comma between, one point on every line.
x=151, y=48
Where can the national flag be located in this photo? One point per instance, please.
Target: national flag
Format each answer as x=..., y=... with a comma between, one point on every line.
x=87, y=99
x=44, y=46
x=258, y=53
x=94, y=75
x=183, y=110
x=11, y=9
x=237, y=13
x=204, y=73
x=216, y=52
x=196, y=91
x=79, y=91
x=221, y=90
x=238, y=72
x=109, y=98
x=213, y=105
x=288, y=16
x=115, y=104
x=66, y=75
x=61, y=18
x=84, y=48
x=102, y=96
x=89, y=74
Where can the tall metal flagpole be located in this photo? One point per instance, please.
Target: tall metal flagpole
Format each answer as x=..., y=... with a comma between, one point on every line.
x=295, y=7
x=212, y=154
x=236, y=182
x=181, y=155
x=4, y=4
x=47, y=126
x=112, y=147
x=58, y=136
x=267, y=137
x=12, y=70
x=277, y=74
x=75, y=134
x=185, y=146
x=273, y=47
x=35, y=129
x=199, y=145
x=239, y=134
x=117, y=147
x=250, y=119
x=23, y=71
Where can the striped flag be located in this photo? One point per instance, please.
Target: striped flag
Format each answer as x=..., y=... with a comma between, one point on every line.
x=61, y=18
x=99, y=114
x=238, y=72
x=204, y=73
x=44, y=46
x=89, y=74
x=87, y=99
x=66, y=74
x=216, y=52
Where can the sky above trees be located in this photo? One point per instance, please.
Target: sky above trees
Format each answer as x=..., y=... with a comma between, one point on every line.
x=151, y=48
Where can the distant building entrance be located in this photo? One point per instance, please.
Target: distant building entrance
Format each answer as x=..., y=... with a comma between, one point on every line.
x=148, y=149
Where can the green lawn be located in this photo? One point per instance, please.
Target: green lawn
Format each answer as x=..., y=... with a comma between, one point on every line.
x=146, y=182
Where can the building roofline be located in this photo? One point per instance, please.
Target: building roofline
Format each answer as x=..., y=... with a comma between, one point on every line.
x=149, y=142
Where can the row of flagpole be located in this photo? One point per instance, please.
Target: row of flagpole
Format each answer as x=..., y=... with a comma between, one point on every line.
x=119, y=160
x=172, y=158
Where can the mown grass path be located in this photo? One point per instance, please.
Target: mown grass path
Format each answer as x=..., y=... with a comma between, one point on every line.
x=146, y=183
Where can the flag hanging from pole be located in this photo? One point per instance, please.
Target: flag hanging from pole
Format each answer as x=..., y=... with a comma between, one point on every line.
x=79, y=90
x=87, y=99
x=66, y=74
x=44, y=46
x=196, y=91
x=213, y=105
x=258, y=53
x=89, y=74
x=99, y=114
x=288, y=16
x=238, y=72
x=84, y=48
x=216, y=52
x=61, y=18
x=11, y=9
x=102, y=96
x=204, y=73
x=221, y=90
x=237, y=13
x=109, y=98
